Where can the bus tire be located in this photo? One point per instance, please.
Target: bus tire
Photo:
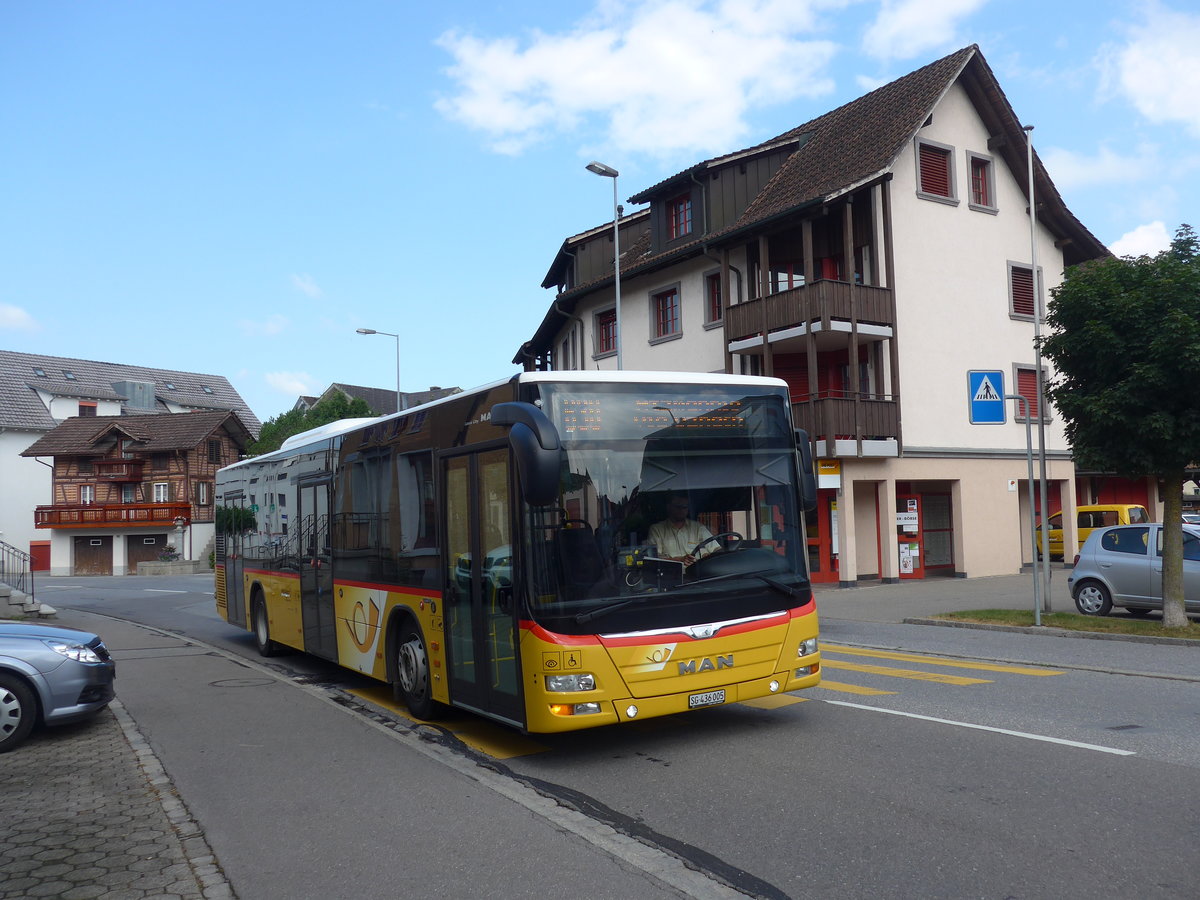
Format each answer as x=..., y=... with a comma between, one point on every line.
x=262, y=628
x=412, y=685
x=18, y=711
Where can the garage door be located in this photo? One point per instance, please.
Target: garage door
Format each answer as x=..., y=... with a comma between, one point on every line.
x=93, y=555
x=143, y=548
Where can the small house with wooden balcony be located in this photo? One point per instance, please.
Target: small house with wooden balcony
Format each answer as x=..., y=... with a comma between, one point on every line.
x=38, y=392
x=130, y=489
x=871, y=257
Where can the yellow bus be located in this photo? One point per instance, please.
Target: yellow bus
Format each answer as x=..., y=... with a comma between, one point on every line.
x=515, y=550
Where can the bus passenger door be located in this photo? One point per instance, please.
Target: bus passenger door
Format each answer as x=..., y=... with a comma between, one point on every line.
x=481, y=622
x=235, y=588
x=316, y=571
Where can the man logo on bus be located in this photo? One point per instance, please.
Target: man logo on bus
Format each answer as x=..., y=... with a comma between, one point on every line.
x=705, y=665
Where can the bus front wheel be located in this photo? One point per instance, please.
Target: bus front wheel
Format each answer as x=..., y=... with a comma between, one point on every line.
x=262, y=630
x=412, y=674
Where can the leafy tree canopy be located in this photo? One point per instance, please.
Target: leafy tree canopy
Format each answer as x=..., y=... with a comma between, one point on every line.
x=1126, y=345
x=279, y=428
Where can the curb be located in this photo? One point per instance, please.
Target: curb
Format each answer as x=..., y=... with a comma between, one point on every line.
x=196, y=850
x=1048, y=631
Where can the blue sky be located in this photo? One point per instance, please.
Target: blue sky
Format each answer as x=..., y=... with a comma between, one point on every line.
x=234, y=188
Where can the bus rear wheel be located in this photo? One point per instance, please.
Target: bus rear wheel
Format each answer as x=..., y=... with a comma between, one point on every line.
x=412, y=674
x=262, y=629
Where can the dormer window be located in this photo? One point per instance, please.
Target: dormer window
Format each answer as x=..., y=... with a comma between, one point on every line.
x=679, y=217
x=69, y=375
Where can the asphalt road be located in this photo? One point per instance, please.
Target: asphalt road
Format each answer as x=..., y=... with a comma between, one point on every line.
x=934, y=762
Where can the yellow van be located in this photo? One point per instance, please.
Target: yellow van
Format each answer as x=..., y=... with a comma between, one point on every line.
x=1089, y=517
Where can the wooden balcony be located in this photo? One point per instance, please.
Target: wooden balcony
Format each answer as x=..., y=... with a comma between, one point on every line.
x=821, y=301
x=118, y=470
x=866, y=425
x=112, y=515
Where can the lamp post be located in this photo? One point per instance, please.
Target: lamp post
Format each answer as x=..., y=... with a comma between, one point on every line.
x=1038, y=316
x=399, y=396
x=609, y=172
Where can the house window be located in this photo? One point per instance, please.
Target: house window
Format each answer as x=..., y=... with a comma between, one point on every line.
x=666, y=313
x=162, y=492
x=1026, y=380
x=1021, y=297
x=679, y=217
x=606, y=331
x=159, y=462
x=713, y=308
x=787, y=275
x=39, y=371
x=129, y=493
x=566, y=357
x=87, y=494
x=983, y=196
x=206, y=389
x=214, y=451
x=69, y=375
x=86, y=467
x=203, y=495
x=86, y=408
x=935, y=172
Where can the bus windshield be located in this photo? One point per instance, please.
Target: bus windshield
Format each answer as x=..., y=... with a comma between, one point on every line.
x=678, y=505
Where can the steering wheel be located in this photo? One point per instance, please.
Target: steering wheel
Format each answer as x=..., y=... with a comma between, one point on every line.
x=737, y=541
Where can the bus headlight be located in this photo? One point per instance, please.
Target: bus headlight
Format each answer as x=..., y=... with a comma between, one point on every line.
x=581, y=682
x=807, y=648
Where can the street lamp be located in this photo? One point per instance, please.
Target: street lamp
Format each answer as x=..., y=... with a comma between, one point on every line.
x=399, y=396
x=609, y=172
x=1038, y=316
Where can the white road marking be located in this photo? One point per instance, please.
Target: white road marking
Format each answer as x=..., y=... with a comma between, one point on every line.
x=1020, y=734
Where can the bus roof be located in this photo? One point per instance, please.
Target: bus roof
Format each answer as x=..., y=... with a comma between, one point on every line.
x=568, y=376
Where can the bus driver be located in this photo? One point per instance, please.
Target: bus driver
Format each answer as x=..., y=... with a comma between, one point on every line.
x=676, y=536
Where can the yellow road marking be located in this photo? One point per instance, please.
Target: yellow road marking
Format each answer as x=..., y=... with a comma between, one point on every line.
x=912, y=674
x=851, y=688
x=773, y=701
x=936, y=661
x=496, y=741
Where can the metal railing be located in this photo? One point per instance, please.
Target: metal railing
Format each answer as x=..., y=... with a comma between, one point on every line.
x=15, y=569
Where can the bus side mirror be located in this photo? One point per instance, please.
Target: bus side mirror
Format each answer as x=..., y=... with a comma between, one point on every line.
x=804, y=463
x=534, y=442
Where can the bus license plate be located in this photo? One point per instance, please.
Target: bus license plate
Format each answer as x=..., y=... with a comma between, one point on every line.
x=708, y=698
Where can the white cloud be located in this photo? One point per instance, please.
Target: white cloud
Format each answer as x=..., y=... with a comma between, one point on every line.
x=17, y=319
x=1156, y=69
x=268, y=327
x=1144, y=240
x=908, y=28
x=296, y=383
x=1071, y=170
x=669, y=76
x=306, y=284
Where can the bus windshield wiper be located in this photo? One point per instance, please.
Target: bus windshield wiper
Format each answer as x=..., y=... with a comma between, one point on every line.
x=601, y=611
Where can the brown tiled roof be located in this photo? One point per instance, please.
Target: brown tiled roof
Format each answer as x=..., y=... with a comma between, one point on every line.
x=20, y=406
x=850, y=146
x=91, y=435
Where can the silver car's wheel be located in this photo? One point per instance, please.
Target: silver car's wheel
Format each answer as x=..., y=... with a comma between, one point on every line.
x=1092, y=599
x=18, y=711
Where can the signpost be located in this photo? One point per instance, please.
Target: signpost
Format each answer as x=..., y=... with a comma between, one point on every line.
x=985, y=394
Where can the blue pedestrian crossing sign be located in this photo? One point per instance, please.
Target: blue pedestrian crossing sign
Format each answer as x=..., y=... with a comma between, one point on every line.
x=985, y=392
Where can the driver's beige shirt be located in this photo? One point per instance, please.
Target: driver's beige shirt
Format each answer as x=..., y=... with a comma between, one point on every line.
x=674, y=542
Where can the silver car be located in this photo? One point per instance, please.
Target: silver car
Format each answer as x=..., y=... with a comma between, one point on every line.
x=1122, y=566
x=49, y=676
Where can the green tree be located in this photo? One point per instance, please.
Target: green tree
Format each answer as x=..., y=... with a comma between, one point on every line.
x=279, y=428
x=1125, y=340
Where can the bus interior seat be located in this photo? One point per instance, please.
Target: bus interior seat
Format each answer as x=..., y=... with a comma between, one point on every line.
x=579, y=557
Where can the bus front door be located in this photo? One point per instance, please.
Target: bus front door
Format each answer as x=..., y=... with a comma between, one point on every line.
x=480, y=616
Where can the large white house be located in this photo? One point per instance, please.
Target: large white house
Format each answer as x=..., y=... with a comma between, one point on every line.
x=872, y=258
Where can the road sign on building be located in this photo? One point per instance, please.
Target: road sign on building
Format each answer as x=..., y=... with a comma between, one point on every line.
x=985, y=395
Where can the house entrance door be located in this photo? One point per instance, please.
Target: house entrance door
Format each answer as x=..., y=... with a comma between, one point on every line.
x=908, y=536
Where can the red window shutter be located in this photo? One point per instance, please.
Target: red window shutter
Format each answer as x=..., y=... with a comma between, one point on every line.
x=1022, y=292
x=1027, y=388
x=935, y=171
